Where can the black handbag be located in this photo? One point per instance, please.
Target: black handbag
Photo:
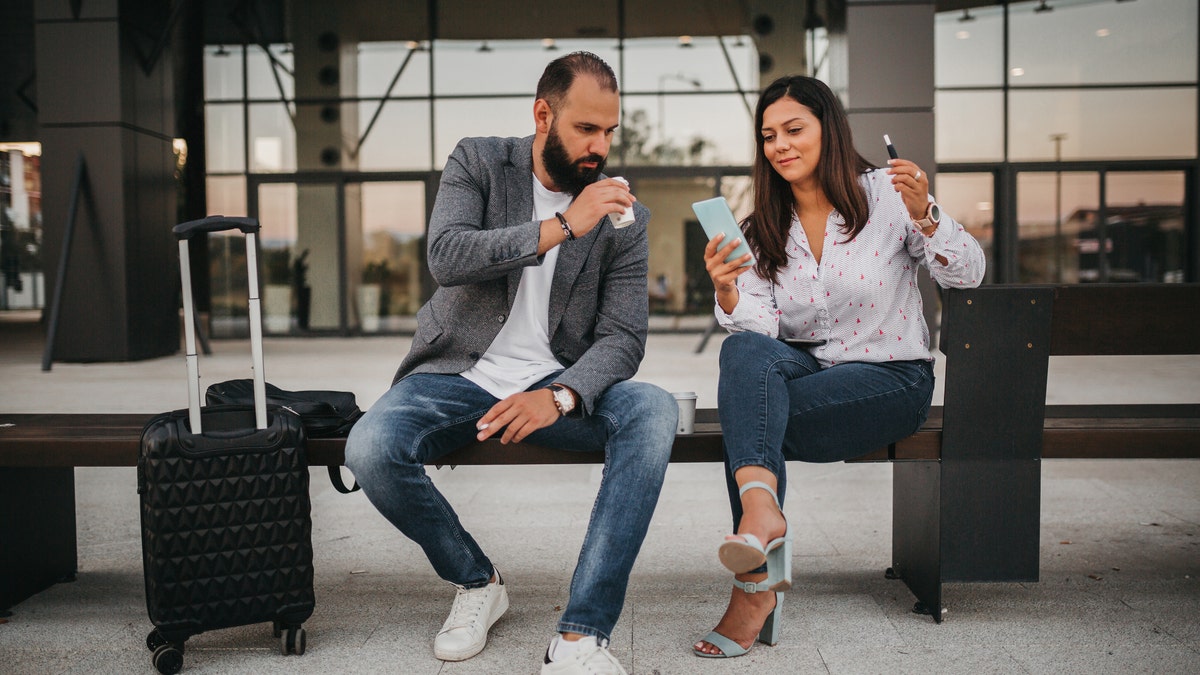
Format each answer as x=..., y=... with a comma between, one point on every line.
x=324, y=414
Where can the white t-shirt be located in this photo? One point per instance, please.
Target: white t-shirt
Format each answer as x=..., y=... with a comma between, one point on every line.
x=520, y=355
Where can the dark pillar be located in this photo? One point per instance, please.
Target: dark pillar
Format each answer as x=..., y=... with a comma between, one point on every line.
x=105, y=92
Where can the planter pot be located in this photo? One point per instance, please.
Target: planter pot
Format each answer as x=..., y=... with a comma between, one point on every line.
x=368, y=307
x=277, y=308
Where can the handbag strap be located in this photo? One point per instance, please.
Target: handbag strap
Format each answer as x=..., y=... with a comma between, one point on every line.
x=335, y=477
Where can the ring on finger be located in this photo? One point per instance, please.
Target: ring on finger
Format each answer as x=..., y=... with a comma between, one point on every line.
x=918, y=176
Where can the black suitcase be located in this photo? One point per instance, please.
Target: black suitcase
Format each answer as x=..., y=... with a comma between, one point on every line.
x=225, y=513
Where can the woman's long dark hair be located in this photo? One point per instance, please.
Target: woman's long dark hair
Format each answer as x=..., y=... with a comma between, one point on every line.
x=838, y=170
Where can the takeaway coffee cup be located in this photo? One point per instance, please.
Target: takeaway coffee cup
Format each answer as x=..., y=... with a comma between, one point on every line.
x=622, y=218
x=687, y=411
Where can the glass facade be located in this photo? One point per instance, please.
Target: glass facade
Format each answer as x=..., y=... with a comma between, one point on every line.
x=1066, y=141
x=1079, y=122
x=343, y=240
x=22, y=284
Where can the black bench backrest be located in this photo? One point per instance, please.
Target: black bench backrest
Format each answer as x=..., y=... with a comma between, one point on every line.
x=1141, y=319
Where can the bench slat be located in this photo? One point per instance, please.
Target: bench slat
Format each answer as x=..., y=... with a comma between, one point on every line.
x=1071, y=431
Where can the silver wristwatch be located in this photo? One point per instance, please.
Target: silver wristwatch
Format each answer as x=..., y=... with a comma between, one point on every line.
x=564, y=400
x=933, y=216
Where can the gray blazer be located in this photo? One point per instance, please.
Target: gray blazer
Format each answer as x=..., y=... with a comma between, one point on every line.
x=482, y=236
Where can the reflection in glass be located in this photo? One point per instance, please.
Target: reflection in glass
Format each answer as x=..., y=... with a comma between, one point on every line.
x=655, y=64
x=1103, y=42
x=1143, y=230
x=458, y=119
x=1103, y=123
x=380, y=62
x=969, y=126
x=969, y=47
x=967, y=198
x=22, y=280
x=399, y=139
x=505, y=66
x=1048, y=245
x=393, y=247
x=277, y=208
x=228, y=285
x=686, y=130
x=270, y=76
x=224, y=138
x=674, y=235
x=222, y=72
x=272, y=138
x=226, y=195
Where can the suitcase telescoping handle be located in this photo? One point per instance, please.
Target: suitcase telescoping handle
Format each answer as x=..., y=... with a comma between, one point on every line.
x=184, y=232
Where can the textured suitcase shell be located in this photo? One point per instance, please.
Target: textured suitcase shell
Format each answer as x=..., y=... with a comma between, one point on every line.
x=226, y=521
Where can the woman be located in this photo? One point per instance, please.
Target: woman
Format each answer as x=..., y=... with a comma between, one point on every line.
x=837, y=243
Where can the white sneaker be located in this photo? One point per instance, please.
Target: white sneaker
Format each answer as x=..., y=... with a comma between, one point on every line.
x=590, y=656
x=466, y=629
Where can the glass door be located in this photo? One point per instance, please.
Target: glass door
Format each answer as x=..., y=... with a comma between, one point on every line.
x=387, y=261
x=300, y=257
x=338, y=255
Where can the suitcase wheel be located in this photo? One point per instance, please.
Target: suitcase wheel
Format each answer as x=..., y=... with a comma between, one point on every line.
x=276, y=628
x=155, y=640
x=168, y=659
x=292, y=641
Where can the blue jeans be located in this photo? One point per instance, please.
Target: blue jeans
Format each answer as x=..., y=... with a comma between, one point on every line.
x=425, y=416
x=777, y=403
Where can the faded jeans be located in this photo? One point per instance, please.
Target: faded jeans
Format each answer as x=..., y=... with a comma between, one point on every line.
x=425, y=416
x=777, y=403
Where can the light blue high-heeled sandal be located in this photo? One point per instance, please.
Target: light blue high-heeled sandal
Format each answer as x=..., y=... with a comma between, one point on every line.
x=740, y=557
x=768, y=635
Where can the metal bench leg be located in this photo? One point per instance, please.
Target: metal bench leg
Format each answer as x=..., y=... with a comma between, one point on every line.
x=37, y=531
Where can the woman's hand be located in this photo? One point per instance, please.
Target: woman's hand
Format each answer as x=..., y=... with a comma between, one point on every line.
x=912, y=184
x=724, y=274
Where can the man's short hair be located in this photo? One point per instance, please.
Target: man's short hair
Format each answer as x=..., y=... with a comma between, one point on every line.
x=560, y=74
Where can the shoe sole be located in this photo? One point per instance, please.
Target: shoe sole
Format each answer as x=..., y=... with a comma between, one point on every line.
x=463, y=656
x=739, y=557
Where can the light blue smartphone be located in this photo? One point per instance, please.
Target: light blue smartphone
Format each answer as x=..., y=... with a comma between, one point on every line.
x=716, y=218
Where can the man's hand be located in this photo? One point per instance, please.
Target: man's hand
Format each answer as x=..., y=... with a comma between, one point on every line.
x=596, y=201
x=519, y=415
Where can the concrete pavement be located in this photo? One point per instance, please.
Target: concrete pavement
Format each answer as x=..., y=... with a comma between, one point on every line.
x=1120, y=555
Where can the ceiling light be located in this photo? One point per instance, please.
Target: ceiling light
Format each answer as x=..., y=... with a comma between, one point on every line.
x=1103, y=32
x=548, y=44
x=483, y=47
x=412, y=45
x=1017, y=72
x=966, y=16
x=962, y=34
x=685, y=40
x=1043, y=7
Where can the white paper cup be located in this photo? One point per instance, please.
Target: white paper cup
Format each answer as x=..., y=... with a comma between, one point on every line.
x=687, y=411
x=622, y=218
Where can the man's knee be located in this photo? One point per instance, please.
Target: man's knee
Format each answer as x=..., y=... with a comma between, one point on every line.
x=648, y=406
x=373, y=442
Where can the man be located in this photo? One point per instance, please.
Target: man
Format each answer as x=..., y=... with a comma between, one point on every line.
x=537, y=325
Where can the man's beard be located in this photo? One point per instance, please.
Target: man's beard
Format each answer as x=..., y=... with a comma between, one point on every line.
x=568, y=176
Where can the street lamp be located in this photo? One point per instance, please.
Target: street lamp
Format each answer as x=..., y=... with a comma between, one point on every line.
x=663, y=79
x=1058, y=262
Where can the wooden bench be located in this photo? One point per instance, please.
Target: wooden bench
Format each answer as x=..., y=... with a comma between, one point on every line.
x=966, y=492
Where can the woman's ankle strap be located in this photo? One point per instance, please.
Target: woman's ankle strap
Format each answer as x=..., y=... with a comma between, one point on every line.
x=758, y=484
